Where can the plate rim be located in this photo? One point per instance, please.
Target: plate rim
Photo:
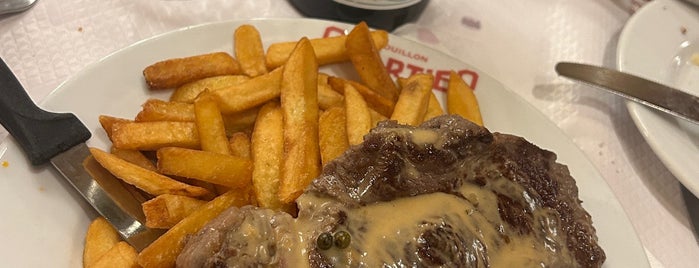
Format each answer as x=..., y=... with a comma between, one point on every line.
x=589, y=167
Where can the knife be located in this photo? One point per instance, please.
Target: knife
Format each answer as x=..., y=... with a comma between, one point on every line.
x=692, y=203
x=643, y=91
x=59, y=138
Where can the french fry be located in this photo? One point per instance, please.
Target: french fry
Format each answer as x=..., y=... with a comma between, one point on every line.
x=332, y=134
x=267, y=153
x=188, y=92
x=212, y=188
x=221, y=169
x=401, y=82
x=250, y=94
x=135, y=157
x=249, y=51
x=150, y=136
x=461, y=100
x=212, y=131
x=146, y=180
x=327, y=97
x=365, y=58
x=239, y=144
x=328, y=50
x=164, y=211
x=377, y=102
x=376, y=117
x=159, y=110
x=360, y=121
x=121, y=255
x=411, y=106
x=100, y=237
x=173, y=73
x=107, y=122
x=434, y=109
x=164, y=250
x=240, y=121
x=299, y=103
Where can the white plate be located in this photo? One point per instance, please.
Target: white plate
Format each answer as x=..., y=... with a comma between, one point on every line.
x=44, y=223
x=657, y=43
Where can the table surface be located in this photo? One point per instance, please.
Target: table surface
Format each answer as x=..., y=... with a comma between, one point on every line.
x=517, y=42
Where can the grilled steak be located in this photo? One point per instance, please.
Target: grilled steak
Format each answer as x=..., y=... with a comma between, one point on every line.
x=448, y=193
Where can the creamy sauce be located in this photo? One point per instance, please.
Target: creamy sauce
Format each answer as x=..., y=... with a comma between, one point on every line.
x=382, y=232
x=422, y=137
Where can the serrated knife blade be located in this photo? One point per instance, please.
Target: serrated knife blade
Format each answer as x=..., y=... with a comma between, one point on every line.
x=60, y=138
x=641, y=90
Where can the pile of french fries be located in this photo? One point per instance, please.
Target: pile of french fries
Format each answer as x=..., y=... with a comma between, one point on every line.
x=252, y=128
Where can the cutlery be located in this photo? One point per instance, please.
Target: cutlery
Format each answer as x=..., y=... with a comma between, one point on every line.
x=14, y=6
x=59, y=138
x=641, y=90
x=692, y=203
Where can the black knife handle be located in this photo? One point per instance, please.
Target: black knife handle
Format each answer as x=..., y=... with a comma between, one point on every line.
x=41, y=134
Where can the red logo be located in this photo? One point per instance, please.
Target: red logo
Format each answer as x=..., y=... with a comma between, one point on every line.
x=400, y=68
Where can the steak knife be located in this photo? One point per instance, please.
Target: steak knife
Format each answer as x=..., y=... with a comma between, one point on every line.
x=643, y=91
x=59, y=138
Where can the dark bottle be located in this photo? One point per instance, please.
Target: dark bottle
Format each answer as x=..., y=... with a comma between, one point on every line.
x=382, y=14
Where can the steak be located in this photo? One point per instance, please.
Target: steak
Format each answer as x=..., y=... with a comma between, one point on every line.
x=448, y=193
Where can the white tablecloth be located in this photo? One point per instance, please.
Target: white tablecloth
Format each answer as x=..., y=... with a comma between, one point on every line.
x=516, y=41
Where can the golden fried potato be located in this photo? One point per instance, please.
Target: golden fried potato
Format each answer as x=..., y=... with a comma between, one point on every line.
x=332, y=134
x=239, y=143
x=107, y=122
x=173, y=73
x=121, y=255
x=159, y=110
x=150, y=136
x=376, y=117
x=163, y=251
x=250, y=94
x=327, y=97
x=247, y=45
x=377, y=102
x=267, y=143
x=359, y=122
x=166, y=210
x=299, y=103
x=411, y=106
x=221, y=169
x=328, y=50
x=365, y=58
x=434, y=108
x=146, y=180
x=461, y=100
x=135, y=157
x=240, y=121
x=210, y=126
x=187, y=93
x=100, y=237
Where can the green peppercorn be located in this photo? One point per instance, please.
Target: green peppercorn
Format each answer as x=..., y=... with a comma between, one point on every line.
x=324, y=241
x=342, y=239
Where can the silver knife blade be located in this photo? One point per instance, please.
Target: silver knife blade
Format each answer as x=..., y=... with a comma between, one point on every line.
x=106, y=195
x=641, y=90
x=692, y=203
